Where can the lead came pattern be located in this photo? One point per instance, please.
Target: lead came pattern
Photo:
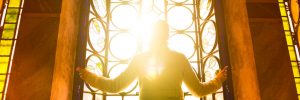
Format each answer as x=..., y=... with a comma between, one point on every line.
x=115, y=36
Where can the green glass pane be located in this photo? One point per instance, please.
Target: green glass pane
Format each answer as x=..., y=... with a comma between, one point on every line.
x=295, y=69
x=14, y=3
x=97, y=26
x=9, y=26
x=3, y=65
x=12, y=11
x=8, y=32
x=282, y=9
x=11, y=18
x=292, y=53
x=5, y=47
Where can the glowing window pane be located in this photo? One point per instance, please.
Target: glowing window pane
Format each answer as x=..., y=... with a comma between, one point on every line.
x=206, y=8
x=295, y=69
x=4, y=64
x=182, y=43
x=211, y=66
x=180, y=17
x=8, y=32
x=12, y=11
x=14, y=3
x=99, y=6
x=131, y=98
x=96, y=35
x=289, y=38
x=292, y=53
x=11, y=18
x=191, y=98
x=5, y=47
x=114, y=97
x=179, y=1
x=208, y=37
x=2, y=82
x=123, y=16
x=123, y=46
x=282, y=9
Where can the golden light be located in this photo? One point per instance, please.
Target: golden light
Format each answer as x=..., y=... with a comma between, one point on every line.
x=131, y=28
x=153, y=69
x=123, y=16
x=123, y=46
x=180, y=18
x=143, y=29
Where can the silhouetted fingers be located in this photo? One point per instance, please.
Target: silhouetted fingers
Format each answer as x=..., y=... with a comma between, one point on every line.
x=78, y=69
x=224, y=69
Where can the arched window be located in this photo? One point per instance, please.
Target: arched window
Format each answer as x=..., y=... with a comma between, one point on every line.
x=119, y=29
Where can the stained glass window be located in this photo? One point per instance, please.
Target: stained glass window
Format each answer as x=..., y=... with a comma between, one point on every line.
x=120, y=29
x=10, y=16
x=290, y=19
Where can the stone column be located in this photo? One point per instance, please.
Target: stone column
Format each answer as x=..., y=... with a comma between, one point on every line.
x=240, y=49
x=62, y=84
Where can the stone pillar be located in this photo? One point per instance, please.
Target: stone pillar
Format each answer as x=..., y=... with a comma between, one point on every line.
x=62, y=84
x=240, y=49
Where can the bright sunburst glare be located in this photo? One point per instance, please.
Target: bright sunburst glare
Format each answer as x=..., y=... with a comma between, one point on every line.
x=141, y=27
x=126, y=28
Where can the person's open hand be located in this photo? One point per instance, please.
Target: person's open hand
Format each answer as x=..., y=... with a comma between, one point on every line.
x=80, y=70
x=223, y=74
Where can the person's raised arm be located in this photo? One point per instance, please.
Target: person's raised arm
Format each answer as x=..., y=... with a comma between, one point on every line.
x=111, y=85
x=198, y=88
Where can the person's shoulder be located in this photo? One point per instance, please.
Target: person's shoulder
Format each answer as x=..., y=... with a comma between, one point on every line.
x=177, y=54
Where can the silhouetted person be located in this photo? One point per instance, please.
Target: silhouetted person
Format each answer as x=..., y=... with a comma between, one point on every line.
x=160, y=72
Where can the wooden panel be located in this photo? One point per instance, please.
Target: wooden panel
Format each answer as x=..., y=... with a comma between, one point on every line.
x=33, y=64
x=275, y=76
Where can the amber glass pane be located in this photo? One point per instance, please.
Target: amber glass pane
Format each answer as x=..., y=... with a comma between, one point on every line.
x=3, y=64
x=14, y=3
x=2, y=82
x=5, y=47
x=295, y=69
x=2, y=85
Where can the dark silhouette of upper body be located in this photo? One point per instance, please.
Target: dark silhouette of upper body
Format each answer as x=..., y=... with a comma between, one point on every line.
x=160, y=72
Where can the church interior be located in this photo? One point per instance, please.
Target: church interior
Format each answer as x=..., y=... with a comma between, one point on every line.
x=43, y=41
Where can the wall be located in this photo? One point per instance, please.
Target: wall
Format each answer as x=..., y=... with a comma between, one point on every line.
x=273, y=66
x=33, y=64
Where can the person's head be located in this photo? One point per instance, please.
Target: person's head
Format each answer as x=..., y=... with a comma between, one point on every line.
x=160, y=35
